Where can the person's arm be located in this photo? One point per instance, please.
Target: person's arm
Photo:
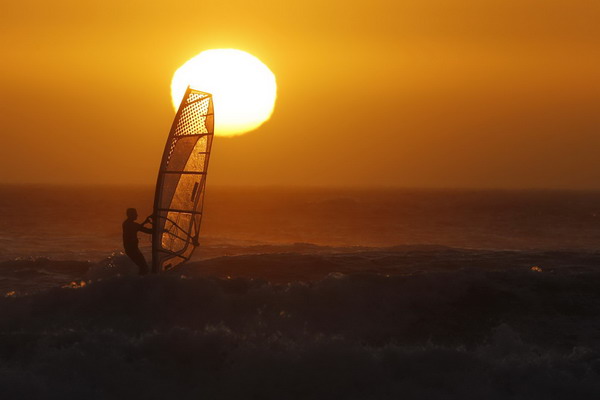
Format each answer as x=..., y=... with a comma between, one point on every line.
x=146, y=221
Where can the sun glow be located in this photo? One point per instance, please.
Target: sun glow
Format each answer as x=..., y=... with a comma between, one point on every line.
x=244, y=89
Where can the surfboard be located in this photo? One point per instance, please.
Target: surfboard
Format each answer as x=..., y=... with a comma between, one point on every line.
x=181, y=182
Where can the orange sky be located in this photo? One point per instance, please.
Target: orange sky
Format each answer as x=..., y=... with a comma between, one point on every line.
x=425, y=93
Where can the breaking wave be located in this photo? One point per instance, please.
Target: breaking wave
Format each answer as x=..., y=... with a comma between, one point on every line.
x=432, y=329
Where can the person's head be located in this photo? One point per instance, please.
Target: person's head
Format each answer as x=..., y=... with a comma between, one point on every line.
x=132, y=214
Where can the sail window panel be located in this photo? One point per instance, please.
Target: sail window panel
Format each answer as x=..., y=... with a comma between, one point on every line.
x=197, y=158
x=176, y=232
x=181, y=191
x=169, y=186
x=196, y=163
x=180, y=152
x=188, y=190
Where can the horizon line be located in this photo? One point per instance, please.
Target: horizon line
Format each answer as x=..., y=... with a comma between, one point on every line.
x=310, y=187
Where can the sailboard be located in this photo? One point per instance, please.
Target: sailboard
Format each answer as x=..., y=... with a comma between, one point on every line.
x=179, y=196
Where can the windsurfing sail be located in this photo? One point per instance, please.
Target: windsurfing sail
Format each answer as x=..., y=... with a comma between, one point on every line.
x=179, y=196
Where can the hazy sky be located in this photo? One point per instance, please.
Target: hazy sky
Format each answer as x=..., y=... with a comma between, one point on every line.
x=468, y=93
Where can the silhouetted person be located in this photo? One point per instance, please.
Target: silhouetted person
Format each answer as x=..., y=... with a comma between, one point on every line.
x=130, y=239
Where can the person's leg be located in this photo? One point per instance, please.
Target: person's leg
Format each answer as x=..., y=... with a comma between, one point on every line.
x=138, y=258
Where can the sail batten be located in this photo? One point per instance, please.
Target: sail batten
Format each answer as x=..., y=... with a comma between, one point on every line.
x=185, y=172
x=181, y=182
x=178, y=210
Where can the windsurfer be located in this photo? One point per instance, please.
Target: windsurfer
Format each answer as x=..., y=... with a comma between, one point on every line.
x=130, y=239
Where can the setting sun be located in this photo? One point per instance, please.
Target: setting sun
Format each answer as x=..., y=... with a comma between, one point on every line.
x=244, y=89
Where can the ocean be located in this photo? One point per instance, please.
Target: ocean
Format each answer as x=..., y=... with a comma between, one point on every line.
x=304, y=293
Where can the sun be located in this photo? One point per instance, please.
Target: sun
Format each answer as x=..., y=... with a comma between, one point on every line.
x=244, y=89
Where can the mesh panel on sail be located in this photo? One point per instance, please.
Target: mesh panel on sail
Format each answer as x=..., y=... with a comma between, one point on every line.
x=181, y=150
x=193, y=118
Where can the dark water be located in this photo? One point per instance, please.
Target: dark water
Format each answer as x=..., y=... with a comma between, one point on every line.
x=84, y=223
x=301, y=294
